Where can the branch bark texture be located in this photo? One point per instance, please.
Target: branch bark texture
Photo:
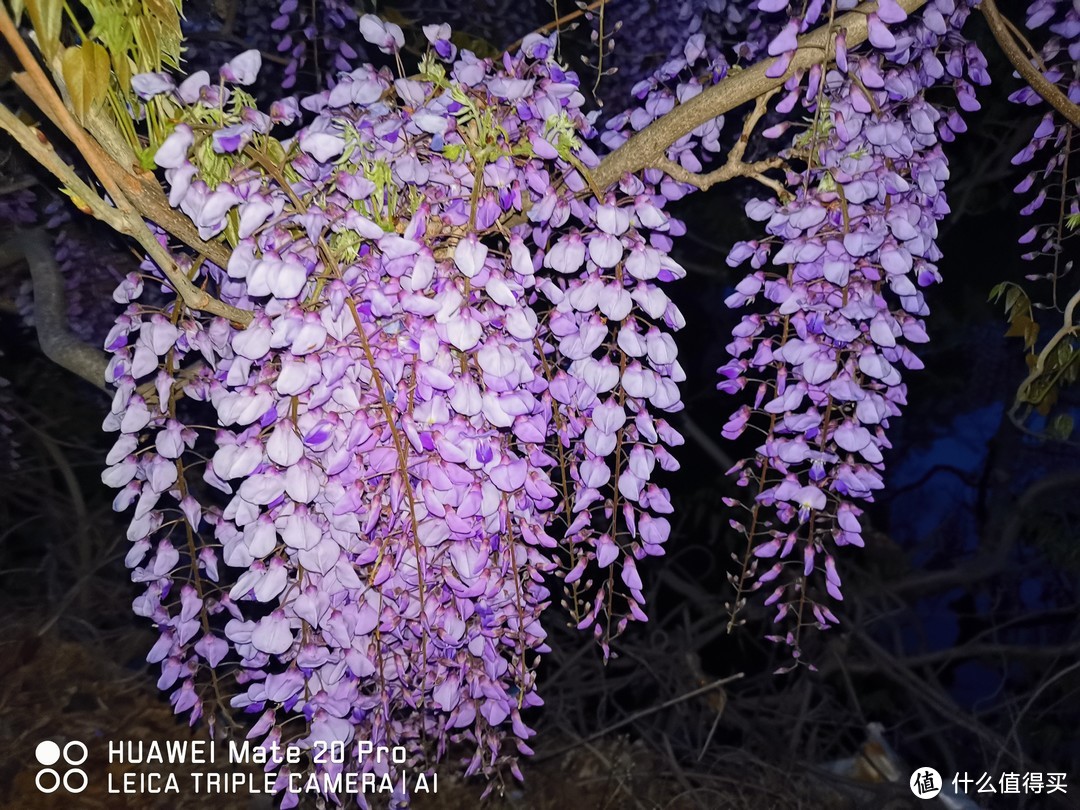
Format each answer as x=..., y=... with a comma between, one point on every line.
x=127, y=221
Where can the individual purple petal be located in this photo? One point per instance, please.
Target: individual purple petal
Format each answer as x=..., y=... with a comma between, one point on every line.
x=439, y=38
x=212, y=648
x=470, y=255
x=786, y=40
x=606, y=551
x=191, y=88
x=173, y=151
x=385, y=36
x=148, y=85
x=232, y=138
x=272, y=634
x=242, y=69
x=321, y=145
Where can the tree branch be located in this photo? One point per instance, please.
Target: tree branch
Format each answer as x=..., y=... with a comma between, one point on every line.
x=728, y=171
x=126, y=221
x=734, y=166
x=648, y=148
x=50, y=308
x=134, y=197
x=1050, y=92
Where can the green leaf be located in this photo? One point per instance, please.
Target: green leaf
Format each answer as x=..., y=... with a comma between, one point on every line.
x=232, y=227
x=146, y=157
x=1012, y=296
x=45, y=16
x=86, y=70
x=166, y=18
x=147, y=43
x=275, y=151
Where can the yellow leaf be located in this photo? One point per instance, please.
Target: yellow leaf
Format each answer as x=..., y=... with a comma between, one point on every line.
x=45, y=16
x=166, y=20
x=86, y=70
x=1031, y=334
x=122, y=67
x=1019, y=326
x=147, y=47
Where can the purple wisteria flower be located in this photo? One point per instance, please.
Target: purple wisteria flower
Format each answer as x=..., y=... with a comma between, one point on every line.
x=840, y=272
x=430, y=413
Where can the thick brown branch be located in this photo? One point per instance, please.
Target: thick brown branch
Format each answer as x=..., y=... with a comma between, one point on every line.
x=1050, y=92
x=142, y=191
x=50, y=308
x=647, y=149
x=146, y=195
x=128, y=222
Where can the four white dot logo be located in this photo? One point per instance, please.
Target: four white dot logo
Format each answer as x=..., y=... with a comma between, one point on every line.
x=49, y=779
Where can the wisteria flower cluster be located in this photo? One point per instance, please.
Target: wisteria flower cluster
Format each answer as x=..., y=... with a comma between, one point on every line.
x=847, y=251
x=1056, y=181
x=683, y=76
x=315, y=32
x=347, y=514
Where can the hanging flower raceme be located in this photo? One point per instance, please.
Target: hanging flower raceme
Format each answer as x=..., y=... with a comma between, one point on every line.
x=445, y=393
x=315, y=32
x=852, y=243
x=632, y=62
x=611, y=363
x=686, y=73
x=1058, y=179
x=1055, y=180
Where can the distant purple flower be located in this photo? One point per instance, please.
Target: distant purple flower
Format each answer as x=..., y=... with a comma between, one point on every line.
x=828, y=348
